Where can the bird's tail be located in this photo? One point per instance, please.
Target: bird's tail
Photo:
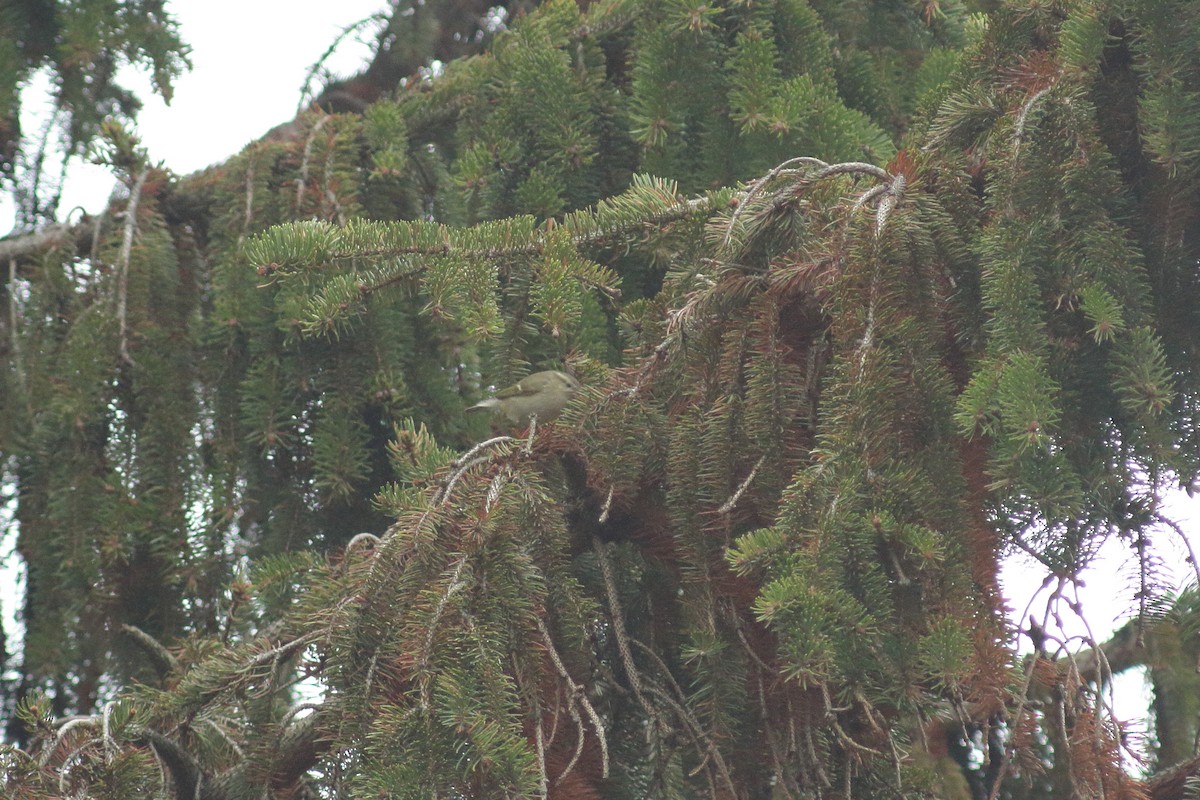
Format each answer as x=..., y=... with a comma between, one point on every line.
x=484, y=405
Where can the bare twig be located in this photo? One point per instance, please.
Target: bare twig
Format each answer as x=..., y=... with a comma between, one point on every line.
x=443, y=494
x=221, y=731
x=358, y=539
x=302, y=178
x=499, y=481
x=604, y=511
x=306, y=91
x=63, y=730
x=577, y=695
x=248, y=211
x=756, y=188
x=543, y=780
x=1173, y=526
x=532, y=433
x=729, y=504
x=454, y=585
x=110, y=744
x=891, y=197
x=131, y=209
x=13, y=327
x=339, y=212
x=618, y=623
x=493, y=442
x=286, y=719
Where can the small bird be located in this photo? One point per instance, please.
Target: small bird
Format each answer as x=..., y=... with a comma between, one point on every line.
x=542, y=395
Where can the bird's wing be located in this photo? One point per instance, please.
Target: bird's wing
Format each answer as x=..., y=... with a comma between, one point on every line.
x=518, y=389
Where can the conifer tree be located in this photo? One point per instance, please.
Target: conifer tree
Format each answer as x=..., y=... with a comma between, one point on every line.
x=863, y=296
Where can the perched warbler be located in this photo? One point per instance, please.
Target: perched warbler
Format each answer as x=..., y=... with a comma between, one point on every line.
x=542, y=394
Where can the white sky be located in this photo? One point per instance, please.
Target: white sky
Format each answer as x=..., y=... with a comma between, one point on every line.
x=250, y=59
x=249, y=62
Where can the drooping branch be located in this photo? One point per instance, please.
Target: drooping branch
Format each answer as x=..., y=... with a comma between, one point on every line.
x=160, y=656
x=295, y=752
x=135, y=196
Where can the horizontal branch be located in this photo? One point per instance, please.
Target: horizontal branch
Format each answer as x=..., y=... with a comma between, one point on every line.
x=25, y=245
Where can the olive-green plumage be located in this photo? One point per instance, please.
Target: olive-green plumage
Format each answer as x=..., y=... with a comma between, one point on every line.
x=542, y=394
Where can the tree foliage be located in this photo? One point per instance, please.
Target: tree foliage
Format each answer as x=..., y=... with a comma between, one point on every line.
x=863, y=296
x=82, y=45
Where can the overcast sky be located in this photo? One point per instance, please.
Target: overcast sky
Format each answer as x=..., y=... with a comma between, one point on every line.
x=250, y=60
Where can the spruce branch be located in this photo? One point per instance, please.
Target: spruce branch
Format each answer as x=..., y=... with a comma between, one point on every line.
x=888, y=193
x=223, y=732
x=577, y=695
x=701, y=740
x=648, y=203
x=778, y=758
x=604, y=18
x=580, y=737
x=499, y=481
x=1023, y=697
x=277, y=655
x=191, y=781
x=468, y=456
x=68, y=763
x=1174, y=527
x=607, y=507
x=463, y=464
x=540, y=741
x=49, y=128
x=1143, y=562
x=1018, y=137
x=130, y=229
x=850, y=168
x=532, y=432
x=164, y=663
x=1076, y=669
x=82, y=237
x=202, y=684
x=307, y=95
x=305, y=158
x=869, y=196
x=729, y=504
x=13, y=328
x=22, y=246
x=558, y=705
x=97, y=225
x=443, y=494
x=339, y=211
x=704, y=743
x=248, y=211
x=439, y=498
x=358, y=539
x=453, y=586
x=846, y=739
x=895, y=191
x=1018, y=134
x=110, y=744
x=618, y=623
x=286, y=719
x=369, y=682
x=759, y=184
x=66, y=728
